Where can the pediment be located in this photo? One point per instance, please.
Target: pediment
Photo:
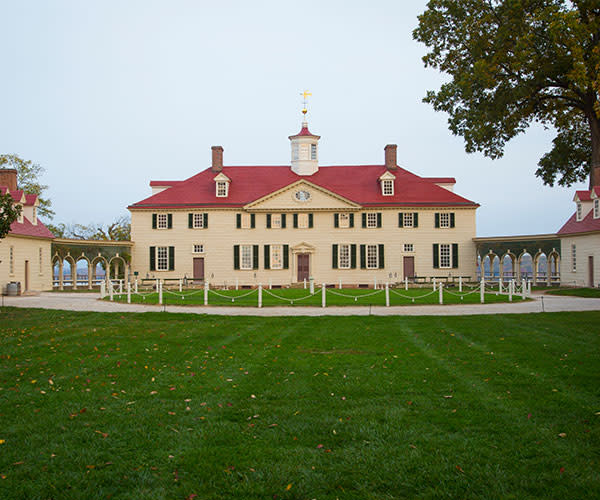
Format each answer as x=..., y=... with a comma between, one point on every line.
x=303, y=248
x=302, y=195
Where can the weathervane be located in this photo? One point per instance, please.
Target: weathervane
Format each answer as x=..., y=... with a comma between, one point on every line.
x=304, y=95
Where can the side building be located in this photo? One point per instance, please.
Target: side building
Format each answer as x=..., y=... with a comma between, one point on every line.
x=25, y=252
x=283, y=224
x=580, y=241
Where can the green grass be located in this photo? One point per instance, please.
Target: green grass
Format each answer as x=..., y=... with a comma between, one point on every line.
x=159, y=405
x=300, y=297
x=577, y=292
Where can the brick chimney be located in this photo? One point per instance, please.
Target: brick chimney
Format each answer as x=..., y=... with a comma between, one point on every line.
x=217, y=158
x=390, y=157
x=8, y=178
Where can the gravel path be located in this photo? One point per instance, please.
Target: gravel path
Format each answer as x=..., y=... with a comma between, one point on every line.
x=91, y=302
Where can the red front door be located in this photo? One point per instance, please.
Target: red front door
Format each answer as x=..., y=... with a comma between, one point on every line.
x=303, y=266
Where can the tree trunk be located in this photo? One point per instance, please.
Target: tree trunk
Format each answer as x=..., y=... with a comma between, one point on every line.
x=594, y=122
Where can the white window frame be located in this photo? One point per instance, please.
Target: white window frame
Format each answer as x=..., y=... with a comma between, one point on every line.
x=344, y=256
x=387, y=187
x=295, y=152
x=408, y=247
x=222, y=189
x=276, y=221
x=162, y=221
x=162, y=258
x=302, y=221
x=444, y=219
x=246, y=222
x=344, y=220
x=371, y=220
x=34, y=217
x=408, y=219
x=305, y=151
x=445, y=256
x=246, y=257
x=579, y=210
x=313, y=152
x=372, y=256
x=573, y=258
x=198, y=221
x=198, y=248
x=276, y=256
x=596, y=208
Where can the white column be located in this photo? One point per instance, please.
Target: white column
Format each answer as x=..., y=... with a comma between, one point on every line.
x=482, y=290
x=259, y=295
x=523, y=289
x=160, y=298
x=110, y=290
x=128, y=293
x=323, y=299
x=102, y=289
x=206, y=293
x=511, y=285
x=440, y=287
x=387, y=295
x=460, y=283
x=500, y=284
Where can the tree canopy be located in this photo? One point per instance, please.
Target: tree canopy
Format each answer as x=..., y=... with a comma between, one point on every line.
x=28, y=174
x=119, y=230
x=9, y=212
x=515, y=62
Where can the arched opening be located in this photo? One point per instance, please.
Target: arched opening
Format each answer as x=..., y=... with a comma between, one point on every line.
x=81, y=273
x=553, y=268
x=99, y=267
x=540, y=268
x=117, y=268
x=491, y=266
x=526, y=266
x=478, y=267
x=68, y=271
x=56, y=272
x=508, y=267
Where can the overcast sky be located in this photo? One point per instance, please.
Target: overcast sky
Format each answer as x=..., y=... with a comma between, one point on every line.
x=108, y=95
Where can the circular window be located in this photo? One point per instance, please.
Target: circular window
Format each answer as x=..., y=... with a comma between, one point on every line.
x=302, y=195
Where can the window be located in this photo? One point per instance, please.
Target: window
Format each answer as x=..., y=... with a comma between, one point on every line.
x=372, y=256
x=34, y=218
x=596, y=208
x=246, y=221
x=295, y=152
x=11, y=260
x=302, y=221
x=344, y=220
x=579, y=210
x=198, y=221
x=40, y=258
x=313, y=151
x=222, y=189
x=304, y=151
x=372, y=219
x=407, y=219
x=445, y=255
x=409, y=247
x=162, y=221
x=246, y=256
x=444, y=220
x=344, y=256
x=198, y=248
x=162, y=258
x=387, y=187
x=276, y=221
x=276, y=256
x=573, y=258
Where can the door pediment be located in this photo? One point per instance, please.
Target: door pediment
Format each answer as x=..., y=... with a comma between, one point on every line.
x=303, y=248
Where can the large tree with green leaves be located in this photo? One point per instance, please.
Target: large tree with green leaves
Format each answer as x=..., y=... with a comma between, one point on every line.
x=28, y=174
x=515, y=62
x=9, y=211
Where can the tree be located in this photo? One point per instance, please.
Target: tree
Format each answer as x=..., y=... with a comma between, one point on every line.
x=515, y=62
x=9, y=212
x=27, y=180
x=119, y=230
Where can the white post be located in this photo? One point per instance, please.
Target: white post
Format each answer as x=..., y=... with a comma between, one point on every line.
x=482, y=291
x=102, y=289
x=340, y=284
x=157, y=281
x=128, y=293
x=180, y=284
x=160, y=301
x=312, y=286
x=110, y=290
x=500, y=284
x=237, y=283
x=523, y=289
x=323, y=300
x=529, y=288
x=387, y=295
x=511, y=285
x=136, y=286
x=206, y=293
x=305, y=283
x=460, y=283
x=405, y=283
x=259, y=295
x=270, y=284
x=440, y=287
x=434, y=284
x=120, y=286
x=375, y=283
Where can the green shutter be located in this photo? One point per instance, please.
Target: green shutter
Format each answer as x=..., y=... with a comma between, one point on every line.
x=381, y=257
x=236, y=256
x=364, y=220
x=416, y=219
x=205, y=220
x=334, y=256
x=153, y=258
x=153, y=221
x=353, y=256
x=310, y=220
x=351, y=220
x=295, y=220
x=238, y=222
x=400, y=219
x=454, y=255
x=436, y=256
x=254, y=256
x=267, y=256
x=190, y=221
x=171, y=258
x=336, y=220
x=282, y=221
x=268, y=221
x=286, y=256
x=452, y=219
x=363, y=257
x=169, y=221
x=437, y=220
x=252, y=221
x=378, y=219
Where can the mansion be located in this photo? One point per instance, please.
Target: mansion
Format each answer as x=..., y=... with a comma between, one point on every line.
x=283, y=224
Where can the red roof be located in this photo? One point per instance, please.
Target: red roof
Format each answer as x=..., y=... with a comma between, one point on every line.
x=26, y=228
x=30, y=199
x=586, y=225
x=357, y=183
x=441, y=180
x=583, y=195
x=164, y=183
x=304, y=131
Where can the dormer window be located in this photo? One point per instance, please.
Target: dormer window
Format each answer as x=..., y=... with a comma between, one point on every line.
x=387, y=187
x=596, y=208
x=222, y=189
x=579, y=210
x=34, y=216
x=222, y=185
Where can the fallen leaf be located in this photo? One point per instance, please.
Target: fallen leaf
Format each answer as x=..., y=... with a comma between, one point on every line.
x=459, y=469
x=562, y=435
x=289, y=486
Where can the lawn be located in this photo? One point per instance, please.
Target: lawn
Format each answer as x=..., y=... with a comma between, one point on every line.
x=593, y=293
x=160, y=405
x=300, y=297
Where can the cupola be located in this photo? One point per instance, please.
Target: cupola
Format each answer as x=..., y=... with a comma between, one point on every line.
x=305, y=147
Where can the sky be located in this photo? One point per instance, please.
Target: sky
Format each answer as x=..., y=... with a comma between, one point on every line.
x=107, y=95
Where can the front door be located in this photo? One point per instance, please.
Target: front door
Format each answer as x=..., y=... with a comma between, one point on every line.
x=409, y=267
x=26, y=275
x=591, y=270
x=199, y=268
x=303, y=267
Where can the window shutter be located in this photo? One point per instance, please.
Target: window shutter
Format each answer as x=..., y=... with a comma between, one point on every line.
x=254, y=256
x=153, y=257
x=190, y=221
x=296, y=221
x=310, y=220
x=437, y=220
x=282, y=221
x=252, y=221
x=364, y=220
x=452, y=219
x=236, y=256
x=353, y=256
x=436, y=256
x=267, y=257
x=268, y=221
x=169, y=221
x=378, y=219
x=171, y=258
x=336, y=220
x=400, y=219
x=351, y=220
x=205, y=221
x=416, y=219
x=238, y=221
x=381, y=257
x=153, y=221
x=363, y=257
x=454, y=255
x=334, y=256
x=286, y=256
